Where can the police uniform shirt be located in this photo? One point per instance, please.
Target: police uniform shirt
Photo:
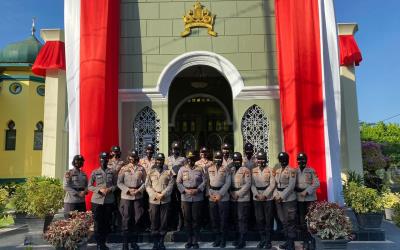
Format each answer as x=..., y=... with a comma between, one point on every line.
x=219, y=181
x=147, y=164
x=204, y=164
x=132, y=177
x=189, y=178
x=285, y=183
x=159, y=182
x=75, y=181
x=250, y=164
x=175, y=164
x=226, y=162
x=263, y=182
x=103, y=179
x=308, y=181
x=241, y=183
x=115, y=164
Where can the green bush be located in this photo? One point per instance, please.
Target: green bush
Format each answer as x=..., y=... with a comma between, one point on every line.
x=363, y=199
x=20, y=199
x=396, y=214
x=389, y=199
x=3, y=200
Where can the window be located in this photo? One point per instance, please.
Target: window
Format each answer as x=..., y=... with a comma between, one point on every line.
x=15, y=88
x=146, y=129
x=11, y=136
x=38, y=136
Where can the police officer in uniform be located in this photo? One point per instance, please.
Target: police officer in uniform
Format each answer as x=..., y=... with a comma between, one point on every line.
x=306, y=186
x=191, y=182
x=226, y=159
x=240, y=197
x=75, y=186
x=219, y=182
x=204, y=162
x=131, y=181
x=116, y=164
x=175, y=162
x=102, y=183
x=159, y=184
x=263, y=186
x=115, y=161
x=249, y=161
x=286, y=199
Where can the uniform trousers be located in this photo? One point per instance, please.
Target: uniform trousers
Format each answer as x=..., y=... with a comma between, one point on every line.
x=241, y=216
x=69, y=207
x=159, y=218
x=287, y=215
x=219, y=212
x=302, y=207
x=131, y=212
x=192, y=215
x=102, y=220
x=263, y=211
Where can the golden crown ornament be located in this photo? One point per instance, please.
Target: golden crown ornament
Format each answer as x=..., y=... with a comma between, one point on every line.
x=198, y=17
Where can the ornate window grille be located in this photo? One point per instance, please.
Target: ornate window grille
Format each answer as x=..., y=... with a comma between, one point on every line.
x=255, y=129
x=146, y=129
x=11, y=136
x=38, y=136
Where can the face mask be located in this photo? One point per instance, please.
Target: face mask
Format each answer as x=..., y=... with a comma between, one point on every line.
x=218, y=162
x=237, y=164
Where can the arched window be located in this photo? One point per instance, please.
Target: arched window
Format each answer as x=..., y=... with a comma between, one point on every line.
x=38, y=136
x=146, y=129
x=11, y=136
x=255, y=129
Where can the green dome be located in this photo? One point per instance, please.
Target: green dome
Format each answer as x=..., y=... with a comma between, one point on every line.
x=21, y=52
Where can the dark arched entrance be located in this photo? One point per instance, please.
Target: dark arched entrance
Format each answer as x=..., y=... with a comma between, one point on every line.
x=200, y=109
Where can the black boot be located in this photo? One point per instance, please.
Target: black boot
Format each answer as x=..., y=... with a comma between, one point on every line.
x=242, y=242
x=268, y=244
x=217, y=241
x=161, y=243
x=223, y=241
x=155, y=242
x=284, y=245
x=236, y=241
x=261, y=244
x=189, y=242
x=290, y=245
x=195, y=241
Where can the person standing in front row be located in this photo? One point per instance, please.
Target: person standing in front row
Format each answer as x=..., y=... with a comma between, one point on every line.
x=286, y=200
x=306, y=186
x=159, y=184
x=102, y=183
x=191, y=182
x=240, y=197
x=75, y=186
x=131, y=181
x=263, y=186
x=116, y=164
x=219, y=182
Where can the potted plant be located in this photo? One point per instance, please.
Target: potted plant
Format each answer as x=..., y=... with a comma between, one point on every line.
x=329, y=225
x=70, y=233
x=390, y=200
x=366, y=203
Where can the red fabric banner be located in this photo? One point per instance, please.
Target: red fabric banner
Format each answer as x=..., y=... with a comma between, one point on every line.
x=300, y=82
x=99, y=65
x=350, y=54
x=51, y=56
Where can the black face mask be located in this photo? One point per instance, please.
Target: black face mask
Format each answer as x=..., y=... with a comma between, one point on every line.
x=261, y=164
x=149, y=153
x=237, y=164
x=78, y=164
x=175, y=152
x=159, y=163
x=218, y=162
x=103, y=163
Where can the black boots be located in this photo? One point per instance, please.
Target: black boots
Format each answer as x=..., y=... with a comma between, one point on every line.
x=261, y=244
x=161, y=243
x=217, y=241
x=223, y=241
x=288, y=245
x=242, y=242
x=155, y=242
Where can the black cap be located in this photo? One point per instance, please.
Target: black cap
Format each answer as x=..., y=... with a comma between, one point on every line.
x=134, y=154
x=301, y=156
x=248, y=146
x=78, y=158
x=160, y=156
x=237, y=156
x=218, y=155
x=115, y=149
x=104, y=155
x=175, y=145
x=150, y=146
x=283, y=156
x=261, y=155
x=203, y=150
x=225, y=146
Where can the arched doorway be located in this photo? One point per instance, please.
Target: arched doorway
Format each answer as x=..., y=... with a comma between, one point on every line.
x=200, y=109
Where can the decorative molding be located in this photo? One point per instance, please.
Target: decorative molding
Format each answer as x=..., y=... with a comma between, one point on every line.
x=22, y=78
x=199, y=17
x=259, y=92
x=140, y=95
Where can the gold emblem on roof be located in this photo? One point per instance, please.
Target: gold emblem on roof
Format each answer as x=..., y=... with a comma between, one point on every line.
x=198, y=17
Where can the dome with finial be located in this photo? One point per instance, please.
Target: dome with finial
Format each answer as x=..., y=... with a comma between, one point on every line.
x=22, y=52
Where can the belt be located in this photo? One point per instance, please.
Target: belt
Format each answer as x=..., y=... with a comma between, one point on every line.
x=79, y=189
x=215, y=188
x=134, y=187
x=299, y=190
x=191, y=188
x=261, y=188
x=280, y=189
x=235, y=189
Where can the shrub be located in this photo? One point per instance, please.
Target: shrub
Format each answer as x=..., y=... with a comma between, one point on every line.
x=389, y=199
x=328, y=221
x=20, y=199
x=396, y=214
x=372, y=156
x=3, y=200
x=363, y=199
x=70, y=232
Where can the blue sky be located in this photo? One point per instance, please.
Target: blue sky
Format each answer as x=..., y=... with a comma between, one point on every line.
x=378, y=87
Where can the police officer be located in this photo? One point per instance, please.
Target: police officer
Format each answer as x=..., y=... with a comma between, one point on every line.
x=204, y=162
x=75, y=186
x=306, y=186
x=249, y=161
x=159, y=184
x=240, y=196
x=175, y=162
x=226, y=154
x=263, y=186
x=219, y=182
x=116, y=164
x=191, y=182
x=102, y=183
x=148, y=161
x=115, y=161
x=131, y=181
x=286, y=200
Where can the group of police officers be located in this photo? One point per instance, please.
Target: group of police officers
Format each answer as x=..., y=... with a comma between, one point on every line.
x=152, y=190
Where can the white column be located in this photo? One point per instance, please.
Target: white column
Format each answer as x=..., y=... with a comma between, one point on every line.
x=350, y=130
x=54, y=134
